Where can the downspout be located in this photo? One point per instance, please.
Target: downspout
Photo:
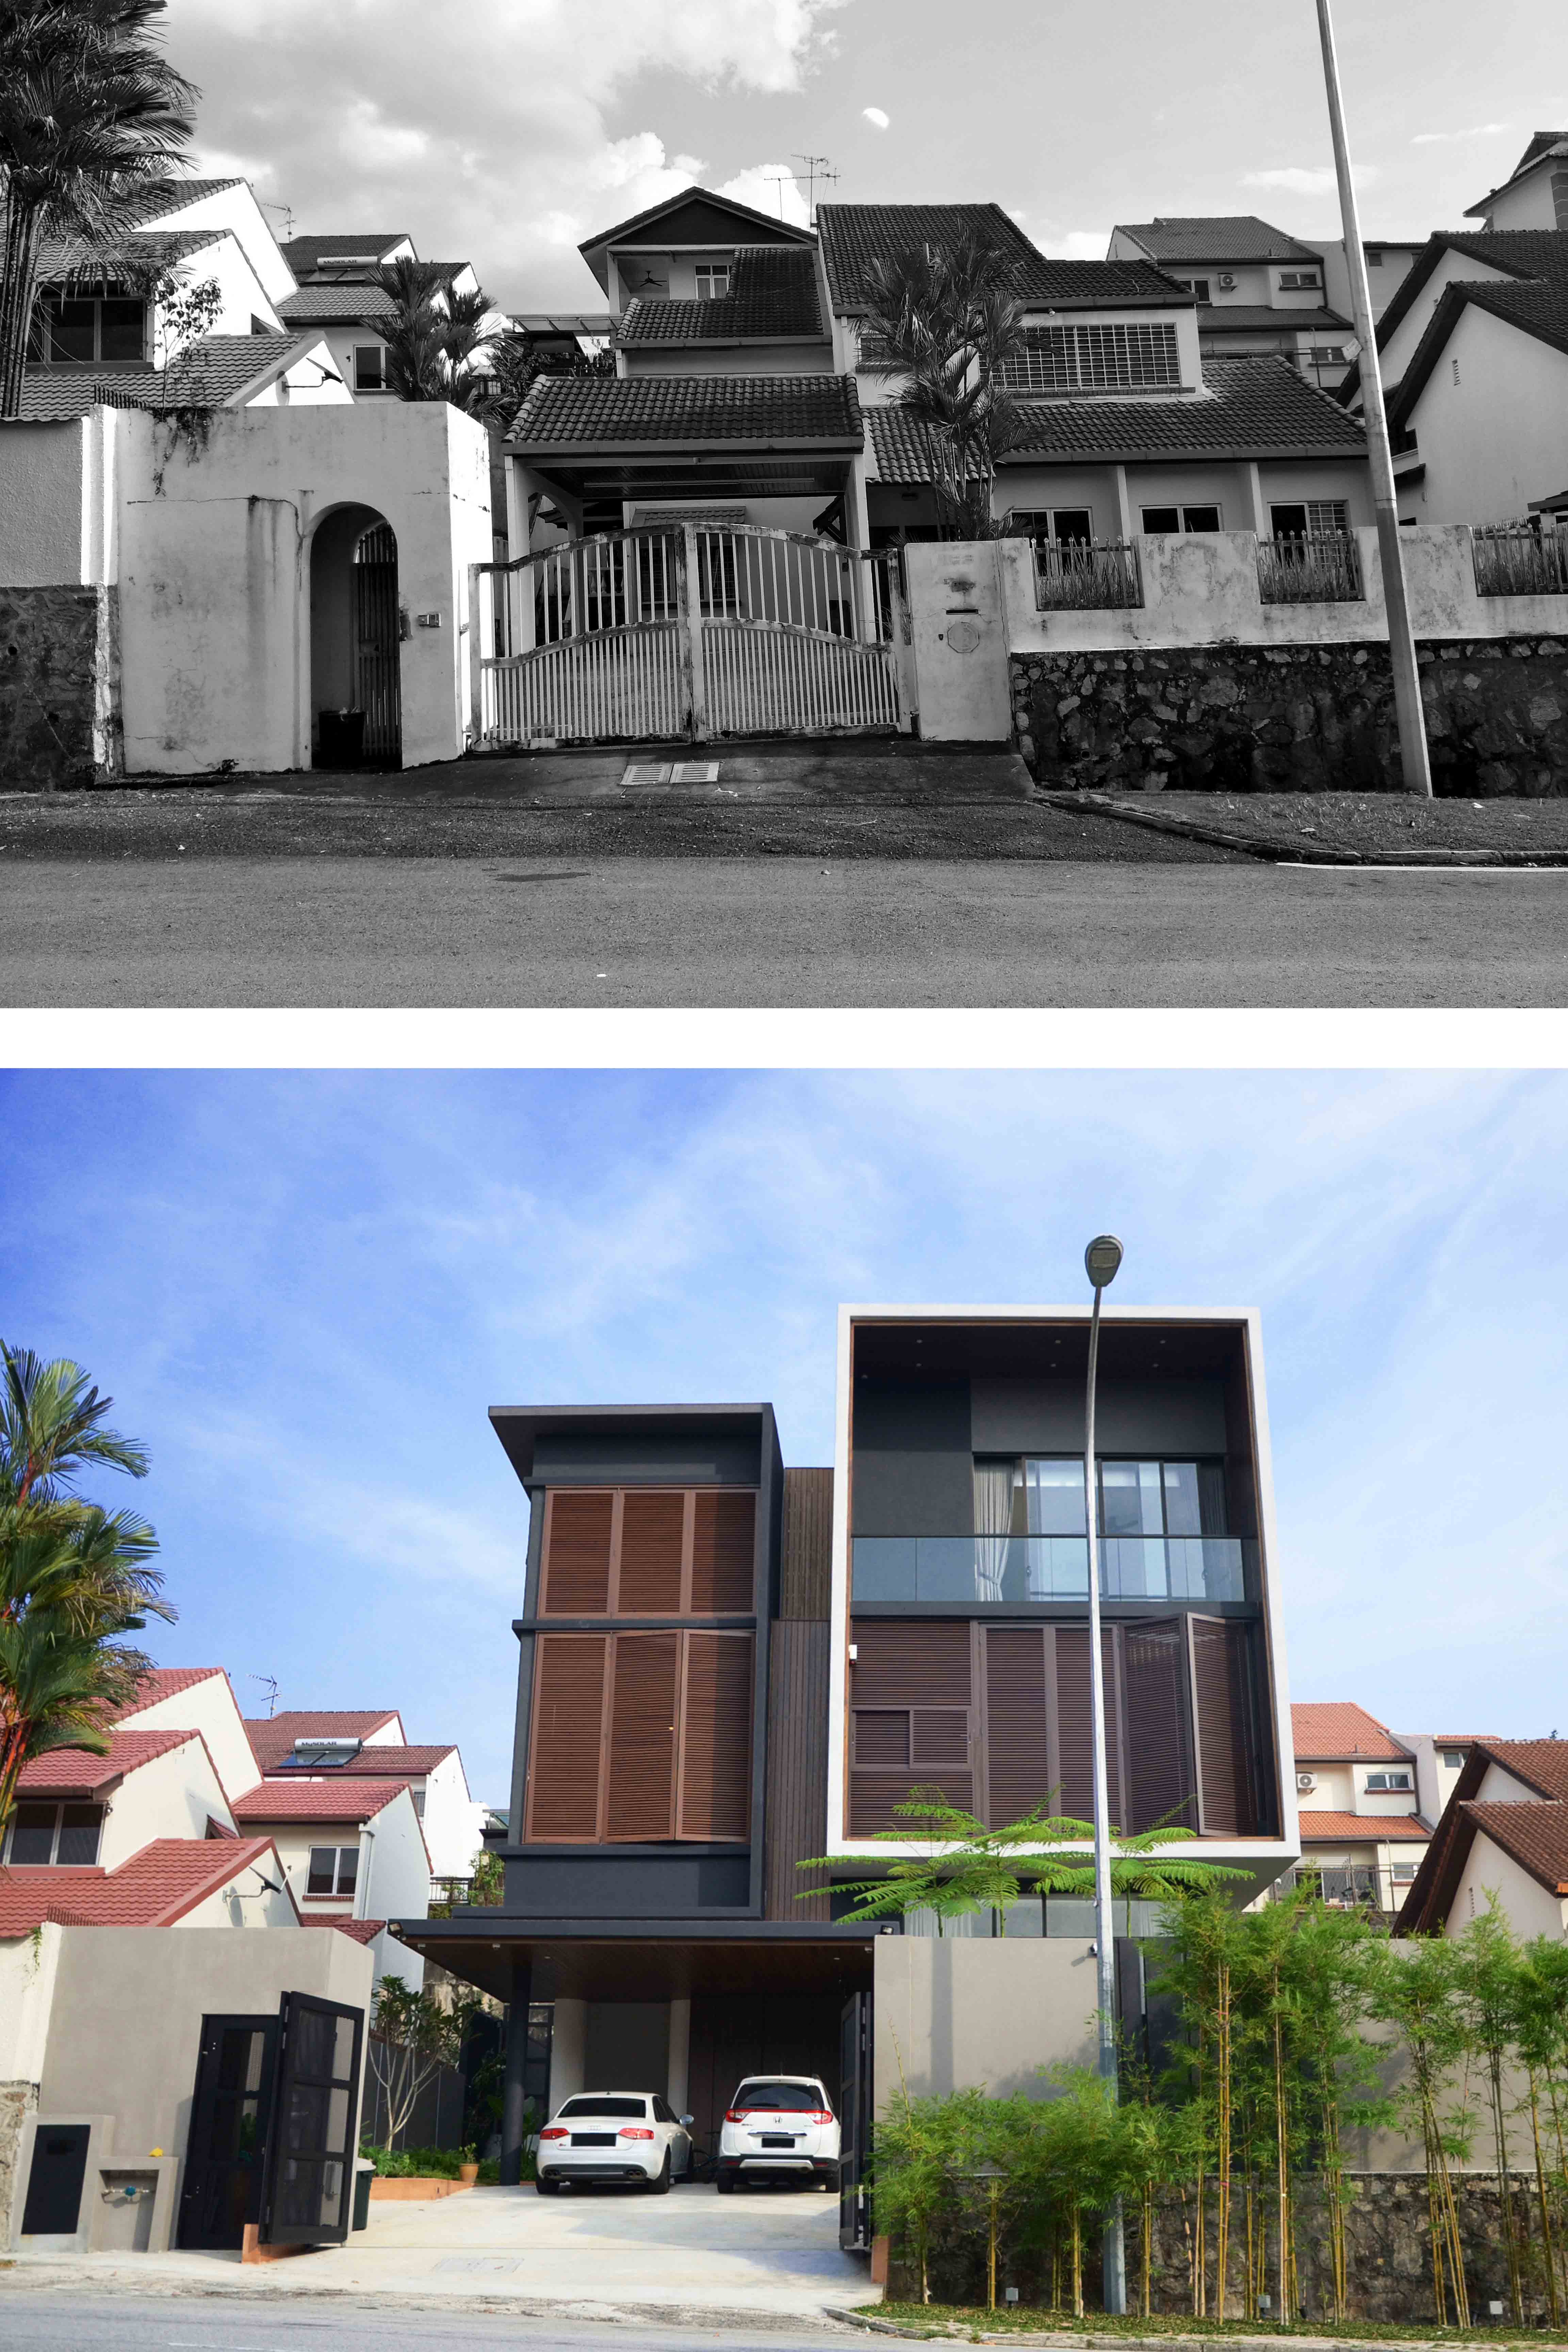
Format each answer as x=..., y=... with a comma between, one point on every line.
x=361, y=1877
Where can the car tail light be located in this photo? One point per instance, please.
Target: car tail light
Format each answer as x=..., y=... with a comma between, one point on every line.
x=820, y=2115
x=554, y=2131
x=736, y=2115
x=635, y=2131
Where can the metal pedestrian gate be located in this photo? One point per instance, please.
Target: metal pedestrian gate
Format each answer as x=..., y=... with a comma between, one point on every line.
x=686, y=632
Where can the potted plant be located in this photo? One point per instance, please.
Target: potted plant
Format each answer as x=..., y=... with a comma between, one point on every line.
x=467, y=2165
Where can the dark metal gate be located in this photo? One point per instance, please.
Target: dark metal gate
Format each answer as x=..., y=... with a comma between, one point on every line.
x=854, y=2113
x=379, y=686
x=230, y=2114
x=310, y=2160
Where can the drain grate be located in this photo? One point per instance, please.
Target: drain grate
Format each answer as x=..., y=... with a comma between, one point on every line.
x=473, y=2262
x=671, y=771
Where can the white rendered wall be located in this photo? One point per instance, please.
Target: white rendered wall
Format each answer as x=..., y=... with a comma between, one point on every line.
x=171, y=1797
x=1528, y=205
x=237, y=209
x=215, y=574
x=1496, y=438
x=452, y=1821
x=46, y=500
x=960, y=641
x=244, y=293
x=210, y=1707
x=1525, y=1903
x=29, y=1966
x=1395, y=355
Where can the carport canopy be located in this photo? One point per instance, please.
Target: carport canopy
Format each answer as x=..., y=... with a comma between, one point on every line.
x=645, y=1959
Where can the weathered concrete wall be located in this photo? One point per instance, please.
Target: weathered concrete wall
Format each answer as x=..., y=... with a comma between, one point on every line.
x=960, y=640
x=1387, y=2242
x=1303, y=717
x=953, y=2011
x=59, y=687
x=18, y=2102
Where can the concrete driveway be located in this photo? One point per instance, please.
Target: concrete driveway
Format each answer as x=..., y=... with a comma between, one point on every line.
x=600, y=2254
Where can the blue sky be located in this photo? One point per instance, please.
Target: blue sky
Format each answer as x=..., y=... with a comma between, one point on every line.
x=304, y=1291
x=503, y=133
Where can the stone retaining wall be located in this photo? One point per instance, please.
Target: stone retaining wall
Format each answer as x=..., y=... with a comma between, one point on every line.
x=1388, y=2245
x=59, y=687
x=18, y=2102
x=1245, y=719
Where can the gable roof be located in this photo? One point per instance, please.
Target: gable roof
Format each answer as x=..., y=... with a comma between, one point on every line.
x=1255, y=317
x=699, y=201
x=377, y=1763
x=1253, y=407
x=271, y=1735
x=160, y=1683
x=154, y=1888
x=316, y=1801
x=359, y=1931
x=589, y=413
x=307, y=255
x=78, y=258
x=1335, y=1730
x=1541, y=253
x=1217, y=237
x=1535, y=1835
x=159, y=197
x=1542, y=144
x=1322, y=1827
x=338, y=302
x=1541, y=1764
x=77, y=1772
x=772, y=297
x=853, y=236
x=1534, y=307
x=218, y=371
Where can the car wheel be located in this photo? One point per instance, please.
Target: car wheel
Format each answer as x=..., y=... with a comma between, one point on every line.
x=659, y=2185
x=724, y=2182
x=830, y=2181
x=547, y=2188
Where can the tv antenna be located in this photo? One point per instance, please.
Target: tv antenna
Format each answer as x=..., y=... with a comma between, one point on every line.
x=287, y=213
x=780, y=180
x=269, y=1684
x=817, y=167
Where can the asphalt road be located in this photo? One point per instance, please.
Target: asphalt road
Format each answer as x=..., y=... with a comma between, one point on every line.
x=66, y=2322
x=499, y=932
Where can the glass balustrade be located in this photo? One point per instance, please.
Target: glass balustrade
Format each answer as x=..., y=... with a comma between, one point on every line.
x=1012, y=1571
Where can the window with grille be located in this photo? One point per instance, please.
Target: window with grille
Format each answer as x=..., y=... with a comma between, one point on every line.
x=1141, y=357
x=712, y=280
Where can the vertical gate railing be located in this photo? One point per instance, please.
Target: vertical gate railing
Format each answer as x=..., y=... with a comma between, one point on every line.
x=687, y=631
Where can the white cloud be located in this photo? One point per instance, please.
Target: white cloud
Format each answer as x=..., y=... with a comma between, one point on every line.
x=1442, y=138
x=1298, y=182
x=770, y=188
x=1083, y=244
x=875, y=117
x=387, y=115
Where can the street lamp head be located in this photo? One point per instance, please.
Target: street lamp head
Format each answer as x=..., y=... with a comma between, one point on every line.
x=1101, y=1259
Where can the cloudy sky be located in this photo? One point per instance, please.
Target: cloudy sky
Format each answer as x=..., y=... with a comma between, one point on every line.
x=304, y=1293
x=504, y=131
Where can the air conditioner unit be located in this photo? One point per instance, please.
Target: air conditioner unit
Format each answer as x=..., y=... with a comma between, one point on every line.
x=1226, y=282
x=1306, y=1780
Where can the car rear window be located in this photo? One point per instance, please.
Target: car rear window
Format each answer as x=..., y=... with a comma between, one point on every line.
x=611, y=2107
x=795, y=2098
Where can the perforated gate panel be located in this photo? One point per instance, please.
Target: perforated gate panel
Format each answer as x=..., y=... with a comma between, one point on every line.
x=693, y=634
x=375, y=642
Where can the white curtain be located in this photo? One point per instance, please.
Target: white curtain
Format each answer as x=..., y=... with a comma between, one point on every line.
x=993, y=1483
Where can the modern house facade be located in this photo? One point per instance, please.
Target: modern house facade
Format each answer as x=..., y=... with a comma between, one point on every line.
x=728, y=1668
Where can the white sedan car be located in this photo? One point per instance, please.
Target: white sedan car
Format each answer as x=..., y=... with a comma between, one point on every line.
x=779, y=2124
x=632, y=2136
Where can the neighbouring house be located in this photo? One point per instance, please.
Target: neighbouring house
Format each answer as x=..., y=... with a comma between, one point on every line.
x=1389, y=261
x=303, y=1746
x=150, y=1944
x=1502, y=1838
x=1258, y=290
x=1362, y=1829
x=727, y=1668
x=341, y=296
x=1536, y=193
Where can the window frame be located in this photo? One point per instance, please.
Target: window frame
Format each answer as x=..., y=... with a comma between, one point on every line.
x=1313, y=510
x=1114, y=355
x=59, y=1807
x=706, y=274
x=99, y=295
x=1395, y=1780
x=1053, y=518
x=359, y=351
x=1300, y=281
x=1185, y=529
x=338, y=1892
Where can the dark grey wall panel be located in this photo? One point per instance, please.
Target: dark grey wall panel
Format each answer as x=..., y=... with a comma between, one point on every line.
x=806, y=1585
x=913, y=1464
x=797, y=1767
x=1181, y=1416
x=674, y=1885
x=727, y=1458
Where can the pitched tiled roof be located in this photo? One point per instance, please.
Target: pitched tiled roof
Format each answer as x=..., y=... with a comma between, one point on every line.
x=855, y=235
x=1252, y=408
x=1540, y=1763
x=1535, y=1835
x=211, y=373
x=77, y=1772
x=332, y=304
x=1534, y=307
x=773, y=296
x=1524, y=253
x=1319, y=1827
x=1543, y=144
x=307, y=254
x=160, y=1683
x=1216, y=238
x=378, y=1762
x=606, y=411
x=272, y=1736
x=153, y=1889
x=359, y=1931
x=1252, y=316
x=59, y=258
x=689, y=195
x=161, y=197
x=1331, y=1730
x=316, y=1801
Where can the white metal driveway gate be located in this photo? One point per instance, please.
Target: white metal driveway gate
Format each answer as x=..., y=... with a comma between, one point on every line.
x=689, y=631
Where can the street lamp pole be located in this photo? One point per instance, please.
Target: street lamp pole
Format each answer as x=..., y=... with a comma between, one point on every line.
x=1413, y=753
x=1102, y=1260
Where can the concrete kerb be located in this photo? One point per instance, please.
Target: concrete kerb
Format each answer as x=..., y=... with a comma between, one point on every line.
x=967, y=2332
x=1273, y=850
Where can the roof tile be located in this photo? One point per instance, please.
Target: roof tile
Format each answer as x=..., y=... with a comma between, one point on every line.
x=607, y=412
x=76, y=1771
x=1318, y=1826
x=272, y=1736
x=854, y=236
x=1333, y=1730
x=377, y=1763
x=1192, y=237
x=772, y=295
x=1536, y=1835
x=207, y=375
x=160, y=1683
x=316, y=1801
x=153, y=1889
x=1541, y=1763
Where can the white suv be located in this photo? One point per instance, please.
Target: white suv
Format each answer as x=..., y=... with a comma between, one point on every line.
x=781, y=2123
x=614, y=2136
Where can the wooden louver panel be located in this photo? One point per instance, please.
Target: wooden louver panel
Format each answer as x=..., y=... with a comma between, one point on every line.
x=915, y=1675
x=578, y=1529
x=1225, y=1773
x=903, y=1662
x=1075, y=1722
x=716, y=1744
x=873, y=1795
x=653, y=1535
x=723, y=1552
x=566, y=1737
x=881, y=1736
x=645, y=1692
x=1159, y=1750
x=1018, y=1744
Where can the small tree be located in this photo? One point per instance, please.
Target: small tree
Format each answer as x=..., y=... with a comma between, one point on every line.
x=411, y=2037
x=1419, y=1990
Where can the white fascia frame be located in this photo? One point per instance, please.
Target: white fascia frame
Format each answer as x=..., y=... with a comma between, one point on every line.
x=1267, y=1856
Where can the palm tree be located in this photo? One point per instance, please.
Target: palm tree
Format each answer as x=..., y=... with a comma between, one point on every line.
x=415, y=357
x=946, y=319
x=52, y=1427
x=90, y=111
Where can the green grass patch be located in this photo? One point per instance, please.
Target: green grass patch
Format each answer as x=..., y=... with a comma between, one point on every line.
x=971, y=2320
